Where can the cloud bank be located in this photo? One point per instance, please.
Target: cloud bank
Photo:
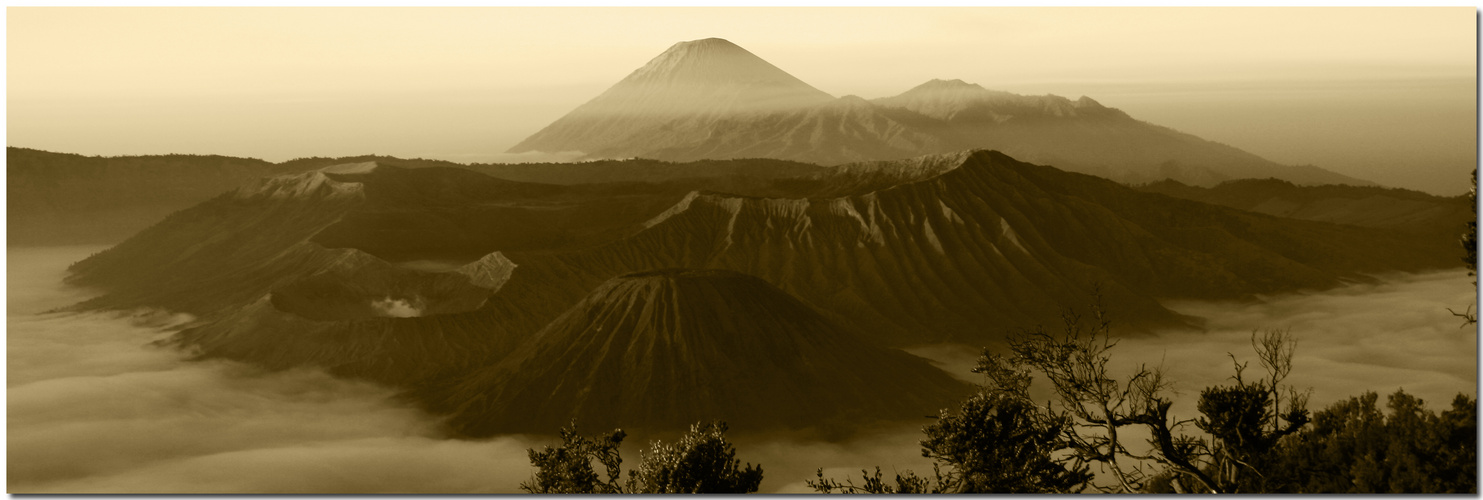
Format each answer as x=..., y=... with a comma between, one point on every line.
x=93, y=408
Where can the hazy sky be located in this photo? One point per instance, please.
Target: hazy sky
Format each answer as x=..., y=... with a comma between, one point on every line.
x=1386, y=94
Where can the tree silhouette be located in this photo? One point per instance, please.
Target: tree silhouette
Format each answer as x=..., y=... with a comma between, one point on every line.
x=1245, y=421
x=1257, y=433
x=1469, y=242
x=995, y=443
x=702, y=461
x=1097, y=403
x=568, y=468
x=1354, y=447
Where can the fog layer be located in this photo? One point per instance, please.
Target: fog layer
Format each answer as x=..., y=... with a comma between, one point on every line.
x=1394, y=334
x=93, y=408
x=1397, y=334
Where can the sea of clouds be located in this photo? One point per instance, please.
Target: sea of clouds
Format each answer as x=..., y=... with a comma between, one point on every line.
x=94, y=407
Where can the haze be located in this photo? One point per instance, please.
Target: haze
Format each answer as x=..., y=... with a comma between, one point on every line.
x=1382, y=94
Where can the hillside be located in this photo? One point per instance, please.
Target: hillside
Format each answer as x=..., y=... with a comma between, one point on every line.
x=364, y=269
x=67, y=199
x=640, y=170
x=64, y=199
x=664, y=349
x=1397, y=209
x=988, y=245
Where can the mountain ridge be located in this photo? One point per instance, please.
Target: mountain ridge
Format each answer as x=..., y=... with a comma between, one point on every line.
x=1391, y=208
x=710, y=77
x=936, y=117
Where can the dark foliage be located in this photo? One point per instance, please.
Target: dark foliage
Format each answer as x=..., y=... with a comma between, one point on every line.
x=1469, y=238
x=995, y=443
x=1096, y=403
x=1242, y=423
x=1353, y=447
x=999, y=444
x=568, y=468
x=1469, y=242
x=702, y=461
x=906, y=483
x=1245, y=421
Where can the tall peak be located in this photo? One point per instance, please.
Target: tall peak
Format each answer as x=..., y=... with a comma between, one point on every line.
x=711, y=62
x=710, y=77
x=954, y=84
x=680, y=345
x=1087, y=102
x=707, y=42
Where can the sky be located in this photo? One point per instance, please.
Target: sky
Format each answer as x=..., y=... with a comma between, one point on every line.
x=1384, y=94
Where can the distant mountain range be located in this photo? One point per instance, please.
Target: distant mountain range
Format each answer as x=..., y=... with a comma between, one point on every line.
x=710, y=99
x=68, y=199
x=432, y=278
x=1402, y=210
x=58, y=198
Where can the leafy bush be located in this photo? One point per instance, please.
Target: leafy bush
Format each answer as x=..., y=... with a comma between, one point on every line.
x=1353, y=447
x=568, y=468
x=702, y=461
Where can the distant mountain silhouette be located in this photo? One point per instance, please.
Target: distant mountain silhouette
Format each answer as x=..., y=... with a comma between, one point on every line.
x=67, y=199
x=712, y=78
x=1082, y=136
x=663, y=349
x=709, y=99
x=62, y=199
x=1398, y=209
x=742, y=175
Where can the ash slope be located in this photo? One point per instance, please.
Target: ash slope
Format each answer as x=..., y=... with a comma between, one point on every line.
x=739, y=106
x=663, y=349
x=979, y=244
